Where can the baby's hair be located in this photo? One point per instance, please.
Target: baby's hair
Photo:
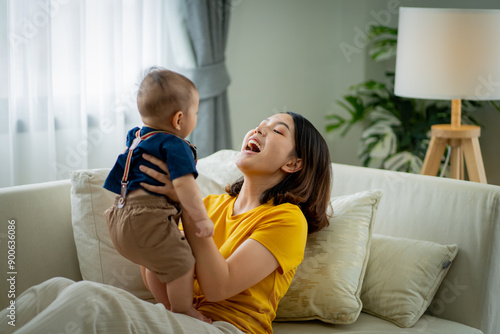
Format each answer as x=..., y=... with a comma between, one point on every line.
x=163, y=92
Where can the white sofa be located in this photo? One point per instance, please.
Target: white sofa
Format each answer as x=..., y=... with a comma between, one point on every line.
x=436, y=210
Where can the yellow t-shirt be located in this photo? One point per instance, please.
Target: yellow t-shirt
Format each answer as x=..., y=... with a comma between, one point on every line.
x=282, y=229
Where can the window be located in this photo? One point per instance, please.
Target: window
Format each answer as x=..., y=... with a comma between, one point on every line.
x=71, y=70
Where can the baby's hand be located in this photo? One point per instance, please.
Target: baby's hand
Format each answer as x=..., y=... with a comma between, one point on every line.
x=205, y=228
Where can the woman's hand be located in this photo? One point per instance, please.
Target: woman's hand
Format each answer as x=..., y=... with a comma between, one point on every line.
x=167, y=189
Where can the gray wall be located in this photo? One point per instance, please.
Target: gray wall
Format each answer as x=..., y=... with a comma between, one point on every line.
x=286, y=55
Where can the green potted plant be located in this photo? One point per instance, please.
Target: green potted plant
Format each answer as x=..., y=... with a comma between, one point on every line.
x=396, y=130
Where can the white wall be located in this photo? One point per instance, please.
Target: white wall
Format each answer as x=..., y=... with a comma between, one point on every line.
x=286, y=55
x=279, y=57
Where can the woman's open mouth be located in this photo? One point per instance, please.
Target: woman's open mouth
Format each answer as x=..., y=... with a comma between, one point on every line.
x=253, y=146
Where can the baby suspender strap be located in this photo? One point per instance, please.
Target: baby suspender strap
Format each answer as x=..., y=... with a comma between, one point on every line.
x=138, y=138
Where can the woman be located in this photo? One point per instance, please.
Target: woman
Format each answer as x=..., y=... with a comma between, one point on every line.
x=243, y=271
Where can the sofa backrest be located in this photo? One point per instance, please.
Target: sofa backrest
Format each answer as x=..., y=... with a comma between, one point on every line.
x=44, y=246
x=445, y=211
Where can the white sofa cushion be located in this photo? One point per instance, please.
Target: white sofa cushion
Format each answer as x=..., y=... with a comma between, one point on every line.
x=403, y=276
x=98, y=259
x=327, y=284
x=369, y=324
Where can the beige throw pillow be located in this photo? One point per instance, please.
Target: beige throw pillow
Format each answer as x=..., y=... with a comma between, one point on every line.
x=327, y=284
x=98, y=259
x=403, y=276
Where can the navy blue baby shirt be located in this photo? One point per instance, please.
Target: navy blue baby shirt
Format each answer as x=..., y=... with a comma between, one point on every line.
x=175, y=151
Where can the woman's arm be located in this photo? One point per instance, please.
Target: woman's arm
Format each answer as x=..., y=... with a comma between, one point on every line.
x=191, y=201
x=219, y=278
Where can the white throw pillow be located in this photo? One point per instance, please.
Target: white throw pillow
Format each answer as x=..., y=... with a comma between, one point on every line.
x=98, y=259
x=217, y=171
x=403, y=276
x=327, y=284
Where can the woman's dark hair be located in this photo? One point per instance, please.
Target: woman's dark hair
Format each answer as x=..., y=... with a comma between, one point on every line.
x=308, y=188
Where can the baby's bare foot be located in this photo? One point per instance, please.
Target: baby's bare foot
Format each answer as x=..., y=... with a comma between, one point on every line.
x=195, y=314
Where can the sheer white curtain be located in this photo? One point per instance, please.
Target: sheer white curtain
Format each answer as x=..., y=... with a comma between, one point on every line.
x=69, y=71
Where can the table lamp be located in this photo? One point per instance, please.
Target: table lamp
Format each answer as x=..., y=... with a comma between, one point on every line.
x=450, y=54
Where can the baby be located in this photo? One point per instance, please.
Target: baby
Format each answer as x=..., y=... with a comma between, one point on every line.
x=144, y=226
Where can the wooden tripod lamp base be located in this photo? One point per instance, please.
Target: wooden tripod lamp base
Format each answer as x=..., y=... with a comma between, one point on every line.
x=464, y=143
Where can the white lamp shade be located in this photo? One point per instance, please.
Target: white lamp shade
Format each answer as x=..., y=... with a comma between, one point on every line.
x=448, y=54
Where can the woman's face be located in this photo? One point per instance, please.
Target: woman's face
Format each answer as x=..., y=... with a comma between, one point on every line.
x=268, y=148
